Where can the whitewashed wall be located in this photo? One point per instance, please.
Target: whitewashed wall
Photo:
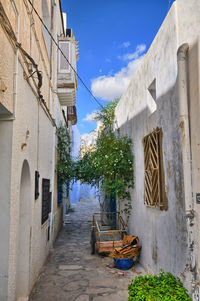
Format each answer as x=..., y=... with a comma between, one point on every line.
x=162, y=234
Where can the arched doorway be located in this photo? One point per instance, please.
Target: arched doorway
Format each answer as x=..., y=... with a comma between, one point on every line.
x=23, y=257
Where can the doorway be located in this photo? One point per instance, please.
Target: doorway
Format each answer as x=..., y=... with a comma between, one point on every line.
x=23, y=256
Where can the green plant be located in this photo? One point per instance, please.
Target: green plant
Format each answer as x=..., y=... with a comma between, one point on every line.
x=64, y=164
x=113, y=160
x=161, y=287
x=107, y=115
x=83, y=170
x=110, y=166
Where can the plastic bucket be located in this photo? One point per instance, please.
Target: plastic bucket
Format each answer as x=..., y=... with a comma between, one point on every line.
x=123, y=263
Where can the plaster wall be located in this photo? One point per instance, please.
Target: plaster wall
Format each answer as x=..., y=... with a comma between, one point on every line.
x=6, y=74
x=189, y=24
x=31, y=137
x=5, y=174
x=32, y=39
x=38, y=150
x=194, y=106
x=162, y=234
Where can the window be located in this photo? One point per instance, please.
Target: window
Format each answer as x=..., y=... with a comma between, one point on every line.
x=37, y=176
x=59, y=192
x=151, y=100
x=46, y=200
x=63, y=64
x=154, y=186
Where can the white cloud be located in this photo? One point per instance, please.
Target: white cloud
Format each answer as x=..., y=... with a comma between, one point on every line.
x=125, y=44
x=134, y=55
x=91, y=117
x=109, y=87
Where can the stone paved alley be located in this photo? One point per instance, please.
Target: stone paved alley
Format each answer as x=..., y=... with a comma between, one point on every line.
x=72, y=274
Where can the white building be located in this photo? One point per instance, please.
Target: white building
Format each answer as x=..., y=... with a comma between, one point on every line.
x=160, y=112
x=36, y=87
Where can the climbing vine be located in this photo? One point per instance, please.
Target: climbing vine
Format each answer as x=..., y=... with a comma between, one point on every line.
x=64, y=164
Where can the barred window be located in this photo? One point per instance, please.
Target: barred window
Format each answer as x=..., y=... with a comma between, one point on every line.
x=46, y=200
x=154, y=186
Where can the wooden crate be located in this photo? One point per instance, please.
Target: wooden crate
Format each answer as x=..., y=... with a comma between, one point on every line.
x=108, y=246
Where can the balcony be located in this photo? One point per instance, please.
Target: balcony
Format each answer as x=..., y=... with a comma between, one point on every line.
x=66, y=79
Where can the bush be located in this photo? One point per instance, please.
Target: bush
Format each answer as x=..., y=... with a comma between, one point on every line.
x=162, y=287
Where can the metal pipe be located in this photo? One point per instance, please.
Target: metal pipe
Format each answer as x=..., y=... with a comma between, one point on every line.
x=182, y=55
x=15, y=74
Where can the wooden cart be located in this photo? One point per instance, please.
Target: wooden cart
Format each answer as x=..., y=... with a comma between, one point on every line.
x=107, y=232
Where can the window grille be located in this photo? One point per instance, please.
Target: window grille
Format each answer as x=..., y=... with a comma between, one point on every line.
x=46, y=199
x=154, y=186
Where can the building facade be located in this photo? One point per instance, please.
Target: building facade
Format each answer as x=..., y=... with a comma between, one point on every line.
x=37, y=95
x=160, y=112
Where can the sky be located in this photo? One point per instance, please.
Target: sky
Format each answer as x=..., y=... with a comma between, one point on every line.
x=113, y=36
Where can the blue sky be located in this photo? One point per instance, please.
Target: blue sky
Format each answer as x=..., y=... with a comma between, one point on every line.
x=113, y=36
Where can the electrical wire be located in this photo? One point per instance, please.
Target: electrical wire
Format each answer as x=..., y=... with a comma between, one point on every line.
x=33, y=8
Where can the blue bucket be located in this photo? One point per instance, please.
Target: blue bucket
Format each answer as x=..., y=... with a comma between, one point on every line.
x=123, y=263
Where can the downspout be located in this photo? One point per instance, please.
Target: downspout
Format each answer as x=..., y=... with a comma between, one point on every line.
x=15, y=75
x=182, y=55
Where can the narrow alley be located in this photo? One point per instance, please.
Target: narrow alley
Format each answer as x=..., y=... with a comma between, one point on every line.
x=72, y=274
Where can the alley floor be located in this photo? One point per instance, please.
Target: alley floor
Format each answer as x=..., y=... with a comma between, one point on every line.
x=72, y=274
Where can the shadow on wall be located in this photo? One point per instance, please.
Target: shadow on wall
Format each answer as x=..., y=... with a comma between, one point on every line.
x=162, y=234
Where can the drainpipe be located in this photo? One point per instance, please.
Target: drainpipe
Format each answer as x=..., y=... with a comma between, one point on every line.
x=15, y=75
x=182, y=55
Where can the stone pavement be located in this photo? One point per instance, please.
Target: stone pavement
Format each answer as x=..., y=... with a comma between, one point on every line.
x=72, y=274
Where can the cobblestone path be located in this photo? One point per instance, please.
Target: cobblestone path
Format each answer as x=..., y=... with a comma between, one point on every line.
x=72, y=274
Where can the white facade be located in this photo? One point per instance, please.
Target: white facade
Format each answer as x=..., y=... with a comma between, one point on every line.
x=28, y=138
x=155, y=98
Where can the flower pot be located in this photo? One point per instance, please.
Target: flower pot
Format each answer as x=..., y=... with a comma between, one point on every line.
x=123, y=263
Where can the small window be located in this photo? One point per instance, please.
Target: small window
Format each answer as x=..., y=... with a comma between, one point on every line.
x=63, y=64
x=37, y=176
x=151, y=99
x=46, y=200
x=154, y=186
x=59, y=192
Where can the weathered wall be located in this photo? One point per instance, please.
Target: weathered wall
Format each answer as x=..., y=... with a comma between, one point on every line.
x=38, y=152
x=162, y=233
x=30, y=138
x=6, y=78
x=5, y=175
x=189, y=24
